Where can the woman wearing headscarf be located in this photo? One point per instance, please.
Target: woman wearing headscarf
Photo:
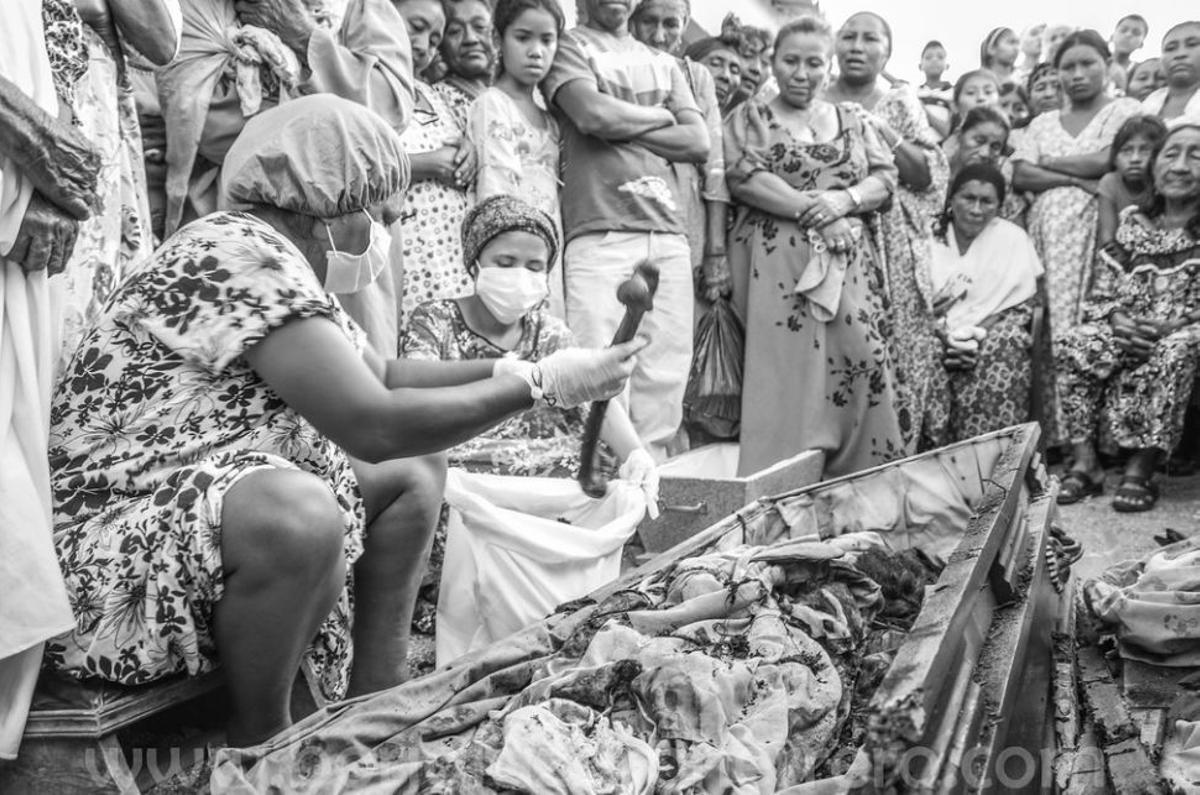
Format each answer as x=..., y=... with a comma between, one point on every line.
x=809, y=175
x=223, y=443
x=1128, y=369
x=1060, y=158
x=985, y=275
x=863, y=45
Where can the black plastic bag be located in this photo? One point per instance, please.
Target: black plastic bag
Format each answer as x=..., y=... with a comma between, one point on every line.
x=712, y=402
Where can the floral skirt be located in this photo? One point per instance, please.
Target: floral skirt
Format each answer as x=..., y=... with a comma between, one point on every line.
x=996, y=392
x=1105, y=400
x=144, y=577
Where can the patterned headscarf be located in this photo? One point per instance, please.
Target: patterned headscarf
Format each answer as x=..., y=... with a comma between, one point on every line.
x=498, y=214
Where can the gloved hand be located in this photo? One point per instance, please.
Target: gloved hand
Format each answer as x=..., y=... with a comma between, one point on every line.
x=573, y=376
x=640, y=470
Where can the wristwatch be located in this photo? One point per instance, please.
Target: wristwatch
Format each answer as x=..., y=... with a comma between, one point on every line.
x=855, y=196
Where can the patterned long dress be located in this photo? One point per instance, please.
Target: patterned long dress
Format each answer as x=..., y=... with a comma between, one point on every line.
x=905, y=228
x=117, y=237
x=1062, y=221
x=810, y=383
x=1145, y=272
x=433, y=214
x=157, y=417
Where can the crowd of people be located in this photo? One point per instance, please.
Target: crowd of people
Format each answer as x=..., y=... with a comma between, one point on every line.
x=270, y=265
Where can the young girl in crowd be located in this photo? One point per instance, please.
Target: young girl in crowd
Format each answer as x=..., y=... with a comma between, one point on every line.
x=1128, y=179
x=516, y=140
x=974, y=88
x=999, y=52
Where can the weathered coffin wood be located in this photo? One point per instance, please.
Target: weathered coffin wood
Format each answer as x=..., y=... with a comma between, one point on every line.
x=942, y=714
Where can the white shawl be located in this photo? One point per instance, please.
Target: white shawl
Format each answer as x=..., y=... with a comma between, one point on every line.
x=999, y=271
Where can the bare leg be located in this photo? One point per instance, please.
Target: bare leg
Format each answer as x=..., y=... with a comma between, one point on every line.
x=281, y=546
x=1087, y=461
x=402, y=499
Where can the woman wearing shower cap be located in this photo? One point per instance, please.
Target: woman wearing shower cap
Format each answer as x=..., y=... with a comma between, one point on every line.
x=223, y=442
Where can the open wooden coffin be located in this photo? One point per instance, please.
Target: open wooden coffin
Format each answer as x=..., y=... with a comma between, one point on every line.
x=966, y=688
x=970, y=687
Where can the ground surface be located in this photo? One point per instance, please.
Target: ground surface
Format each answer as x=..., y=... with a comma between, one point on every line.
x=1109, y=537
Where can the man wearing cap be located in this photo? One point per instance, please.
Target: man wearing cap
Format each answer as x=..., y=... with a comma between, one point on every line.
x=210, y=440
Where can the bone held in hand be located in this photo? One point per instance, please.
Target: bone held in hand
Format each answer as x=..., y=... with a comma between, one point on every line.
x=637, y=295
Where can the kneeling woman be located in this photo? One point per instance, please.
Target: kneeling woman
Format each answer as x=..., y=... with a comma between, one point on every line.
x=1127, y=372
x=985, y=274
x=210, y=437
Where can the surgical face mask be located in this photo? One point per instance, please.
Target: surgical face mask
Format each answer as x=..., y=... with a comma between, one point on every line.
x=349, y=273
x=509, y=293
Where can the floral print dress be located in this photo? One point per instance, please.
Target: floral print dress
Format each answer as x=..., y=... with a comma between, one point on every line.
x=811, y=381
x=518, y=158
x=117, y=237
x=157, y=417
x=1144, y=272
x=907, y=239
x=433, y=214
x=1062, y=221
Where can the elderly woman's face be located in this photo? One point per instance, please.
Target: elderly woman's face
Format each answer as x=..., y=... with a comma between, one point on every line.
x=1046, y=93
x=801, y=66
x=973, y=207
x=660, y=24
x=982, y=143
x=467, y=45
x=726, y=69
x=862, y=48
x=425, y=21
x=1177, y=168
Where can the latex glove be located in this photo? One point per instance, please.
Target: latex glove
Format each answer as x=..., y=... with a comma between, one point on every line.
x=573, y=376
x=640, y=470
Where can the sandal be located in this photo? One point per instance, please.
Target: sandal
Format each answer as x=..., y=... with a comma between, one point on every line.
x=1077, y=485
x=1135, y=494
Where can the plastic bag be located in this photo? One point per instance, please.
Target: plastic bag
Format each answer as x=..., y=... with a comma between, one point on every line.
x=516, y=548
x=713, y=400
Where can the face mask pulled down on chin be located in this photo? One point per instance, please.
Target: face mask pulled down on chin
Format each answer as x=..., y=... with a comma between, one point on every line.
x=349, y=273
x=510, y=293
